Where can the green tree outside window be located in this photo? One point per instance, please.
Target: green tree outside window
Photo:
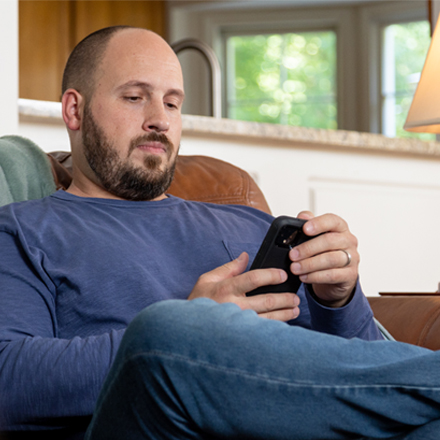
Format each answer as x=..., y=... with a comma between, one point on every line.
x=285, y=79
x=405, y=49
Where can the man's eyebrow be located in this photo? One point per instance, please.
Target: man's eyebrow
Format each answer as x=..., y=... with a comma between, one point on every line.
x=148, y=87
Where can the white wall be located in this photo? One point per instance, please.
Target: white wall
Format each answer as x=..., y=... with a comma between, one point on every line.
x=41, y=121
x=8, y=66
x=50, y=137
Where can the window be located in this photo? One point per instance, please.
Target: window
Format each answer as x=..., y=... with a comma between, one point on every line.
x=365, y=55
x=405, y=47
x=286, y=79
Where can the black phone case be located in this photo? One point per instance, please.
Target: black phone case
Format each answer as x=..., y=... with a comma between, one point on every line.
x=284, y=234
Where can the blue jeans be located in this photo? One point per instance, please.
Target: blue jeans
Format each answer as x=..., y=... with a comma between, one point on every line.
x=202, y=370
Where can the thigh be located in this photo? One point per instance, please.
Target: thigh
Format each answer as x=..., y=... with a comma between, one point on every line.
x=197, y=369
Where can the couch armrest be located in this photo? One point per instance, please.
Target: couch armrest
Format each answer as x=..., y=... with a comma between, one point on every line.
x=414, y=319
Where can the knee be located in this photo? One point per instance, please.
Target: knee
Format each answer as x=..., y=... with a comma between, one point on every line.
x=165, y=324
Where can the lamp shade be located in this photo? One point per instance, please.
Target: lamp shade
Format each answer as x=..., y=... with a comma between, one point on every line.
x=424, y=113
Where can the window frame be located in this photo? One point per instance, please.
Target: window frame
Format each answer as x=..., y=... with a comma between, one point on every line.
x=373, y=22
x=340, y=20
x=383, y=89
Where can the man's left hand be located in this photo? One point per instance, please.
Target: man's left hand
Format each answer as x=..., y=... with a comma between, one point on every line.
x=329, y=262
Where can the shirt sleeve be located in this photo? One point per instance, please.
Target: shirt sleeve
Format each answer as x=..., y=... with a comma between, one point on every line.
x=354, y=320
x=42, y=377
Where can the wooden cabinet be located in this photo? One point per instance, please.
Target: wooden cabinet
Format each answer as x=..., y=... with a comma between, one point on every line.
x=48, y=31
x=44, y=45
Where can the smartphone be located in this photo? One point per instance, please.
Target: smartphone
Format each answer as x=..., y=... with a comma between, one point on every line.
x=284, y=233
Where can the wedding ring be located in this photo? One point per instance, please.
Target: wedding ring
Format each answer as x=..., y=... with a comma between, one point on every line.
x=348, y=258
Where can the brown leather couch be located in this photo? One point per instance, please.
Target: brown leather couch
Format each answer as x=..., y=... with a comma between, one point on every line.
x=412, y=318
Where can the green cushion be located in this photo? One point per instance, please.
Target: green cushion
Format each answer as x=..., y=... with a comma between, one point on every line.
x=25, y=171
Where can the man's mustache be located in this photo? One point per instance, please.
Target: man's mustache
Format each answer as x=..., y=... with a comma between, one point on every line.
x=151, y=137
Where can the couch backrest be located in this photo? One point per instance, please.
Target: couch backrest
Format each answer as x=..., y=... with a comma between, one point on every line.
x=199, y=178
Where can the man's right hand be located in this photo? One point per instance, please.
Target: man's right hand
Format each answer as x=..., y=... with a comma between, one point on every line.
x=228, y=283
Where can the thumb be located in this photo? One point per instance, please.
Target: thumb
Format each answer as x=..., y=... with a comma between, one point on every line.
x=230, y=269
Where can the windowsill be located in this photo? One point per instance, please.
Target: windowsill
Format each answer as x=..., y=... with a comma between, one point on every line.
x=45, y=112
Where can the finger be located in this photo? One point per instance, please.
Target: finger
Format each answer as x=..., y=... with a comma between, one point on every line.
x=258, y=278
x=325, y=223
x=305, y=215
x=330, y=241
x=329, y=260
x=330, y=276
x=228, y=270
x=271, y=302
x=282, y=315
x=325, y=243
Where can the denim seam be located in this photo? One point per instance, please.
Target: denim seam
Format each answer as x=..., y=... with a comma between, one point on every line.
x=205, y=364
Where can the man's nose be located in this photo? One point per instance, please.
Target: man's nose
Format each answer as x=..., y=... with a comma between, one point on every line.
x=156, y=117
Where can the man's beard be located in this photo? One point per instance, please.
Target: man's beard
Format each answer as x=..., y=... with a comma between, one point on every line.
x=119, y=177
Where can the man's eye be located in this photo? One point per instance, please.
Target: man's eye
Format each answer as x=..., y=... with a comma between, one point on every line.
x=171, y=105
x=132, y=98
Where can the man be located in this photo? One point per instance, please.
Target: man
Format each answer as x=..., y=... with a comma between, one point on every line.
x=79, y=265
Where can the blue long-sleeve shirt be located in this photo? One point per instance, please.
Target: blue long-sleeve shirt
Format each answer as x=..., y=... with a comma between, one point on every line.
x=75, y=271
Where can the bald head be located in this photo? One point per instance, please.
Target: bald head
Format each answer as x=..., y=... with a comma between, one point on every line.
x=85, y=60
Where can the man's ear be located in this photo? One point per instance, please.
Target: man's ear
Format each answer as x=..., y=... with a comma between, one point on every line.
x=72, y=108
